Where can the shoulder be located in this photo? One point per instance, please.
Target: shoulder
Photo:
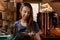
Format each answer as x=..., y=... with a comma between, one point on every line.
x=17, y=22
x=35, y=23
x=36, y=27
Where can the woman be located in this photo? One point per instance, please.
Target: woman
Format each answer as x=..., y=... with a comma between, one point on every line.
x=26, y=28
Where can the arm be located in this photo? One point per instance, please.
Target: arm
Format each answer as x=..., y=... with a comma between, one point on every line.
x=37, y=34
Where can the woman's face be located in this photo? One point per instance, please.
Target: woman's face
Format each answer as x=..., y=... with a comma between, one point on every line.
x=25, y=12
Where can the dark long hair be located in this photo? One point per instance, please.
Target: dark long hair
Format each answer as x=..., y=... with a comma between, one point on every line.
x=18, y=6
x=30, y=18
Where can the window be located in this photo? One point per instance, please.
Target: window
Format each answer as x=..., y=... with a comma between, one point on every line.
x=35, y=10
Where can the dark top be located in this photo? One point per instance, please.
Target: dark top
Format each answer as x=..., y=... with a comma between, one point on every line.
x=21, y=28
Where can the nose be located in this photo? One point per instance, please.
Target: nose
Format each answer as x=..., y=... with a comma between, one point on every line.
x=26, y=13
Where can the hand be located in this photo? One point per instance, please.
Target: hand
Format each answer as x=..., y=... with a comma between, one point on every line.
x=31, y=34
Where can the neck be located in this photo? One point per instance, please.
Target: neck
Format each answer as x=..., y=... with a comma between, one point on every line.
x=24, y=21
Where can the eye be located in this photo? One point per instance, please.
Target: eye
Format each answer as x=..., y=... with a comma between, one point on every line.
x=28, y=13
x=24, y=11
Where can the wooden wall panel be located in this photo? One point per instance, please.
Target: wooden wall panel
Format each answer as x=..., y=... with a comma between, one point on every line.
x=56, y=7
x=33, y=1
